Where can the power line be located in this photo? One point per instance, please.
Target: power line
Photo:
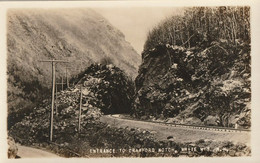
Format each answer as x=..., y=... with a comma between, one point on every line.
x=53, y=62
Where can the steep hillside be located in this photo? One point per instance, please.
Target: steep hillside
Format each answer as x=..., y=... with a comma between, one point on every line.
x=198, y=72
x=80, y=36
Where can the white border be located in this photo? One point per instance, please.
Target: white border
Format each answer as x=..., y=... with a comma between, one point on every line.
x=255, y=26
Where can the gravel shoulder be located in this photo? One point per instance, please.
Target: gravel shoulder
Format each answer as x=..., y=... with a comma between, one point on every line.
x=29, y=152
x=179, y=134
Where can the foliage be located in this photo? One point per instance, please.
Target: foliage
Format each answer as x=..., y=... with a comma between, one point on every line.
x=109, y=85
x=200, y=25
x=106, y=61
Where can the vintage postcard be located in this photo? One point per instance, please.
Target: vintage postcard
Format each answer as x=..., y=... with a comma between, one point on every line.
x=128, y=79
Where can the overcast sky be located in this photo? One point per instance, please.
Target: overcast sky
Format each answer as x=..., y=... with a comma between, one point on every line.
x=135, y=23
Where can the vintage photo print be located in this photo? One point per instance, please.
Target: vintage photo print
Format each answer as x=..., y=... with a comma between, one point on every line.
x=129, y=80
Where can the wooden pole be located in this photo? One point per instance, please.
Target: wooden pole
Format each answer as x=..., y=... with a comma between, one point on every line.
x=53, y=92
x=52, y=100
x=62, y=83
x=80, y=106
x=56, y=110
x=67, y=80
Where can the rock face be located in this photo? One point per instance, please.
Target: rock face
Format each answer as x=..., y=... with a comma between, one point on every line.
x=12, y=148
x=181, y=83
x=106, y=87
x=192, y=66
x=80, y=36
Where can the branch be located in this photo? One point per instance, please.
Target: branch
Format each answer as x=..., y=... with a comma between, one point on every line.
x=222, y=48
x=187, y=40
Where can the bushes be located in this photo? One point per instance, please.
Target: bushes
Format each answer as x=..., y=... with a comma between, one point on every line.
x=106, y=61
x=108, y=88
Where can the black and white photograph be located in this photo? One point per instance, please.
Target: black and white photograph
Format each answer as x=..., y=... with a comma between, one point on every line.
x=103, y=81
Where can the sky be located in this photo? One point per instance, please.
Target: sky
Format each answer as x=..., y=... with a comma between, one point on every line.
x=135, y=22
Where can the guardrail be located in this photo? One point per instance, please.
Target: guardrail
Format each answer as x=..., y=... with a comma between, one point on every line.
x=200, y=127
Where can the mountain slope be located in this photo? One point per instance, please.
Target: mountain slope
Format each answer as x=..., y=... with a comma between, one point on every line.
x=80, y=36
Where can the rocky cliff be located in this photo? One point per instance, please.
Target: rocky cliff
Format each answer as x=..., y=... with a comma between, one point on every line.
x=206, y=82
x=193, y=86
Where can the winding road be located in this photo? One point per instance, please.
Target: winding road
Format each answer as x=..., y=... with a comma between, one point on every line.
x=179, y=133
x=159, y=130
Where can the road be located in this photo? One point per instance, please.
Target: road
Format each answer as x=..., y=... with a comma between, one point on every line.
x=179, y=134
x=28, y=152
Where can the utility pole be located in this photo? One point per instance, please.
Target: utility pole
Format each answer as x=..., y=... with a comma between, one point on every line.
x=67, y=79
x=56, y=109
x=53, y=62
x=80, y=107
x=62, y=83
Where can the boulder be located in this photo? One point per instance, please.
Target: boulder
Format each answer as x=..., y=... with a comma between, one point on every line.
x=211, y=121
x=193, y=121
x=12, y=148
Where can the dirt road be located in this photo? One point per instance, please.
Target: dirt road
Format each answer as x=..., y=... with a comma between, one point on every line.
x=28, y=152
x=179, y=134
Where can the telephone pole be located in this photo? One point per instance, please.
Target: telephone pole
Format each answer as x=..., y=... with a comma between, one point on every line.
x=53, y=62
x=56, y=108
x=62, y=84
x=56, y=111
x=67, y=80
x=80, y=108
